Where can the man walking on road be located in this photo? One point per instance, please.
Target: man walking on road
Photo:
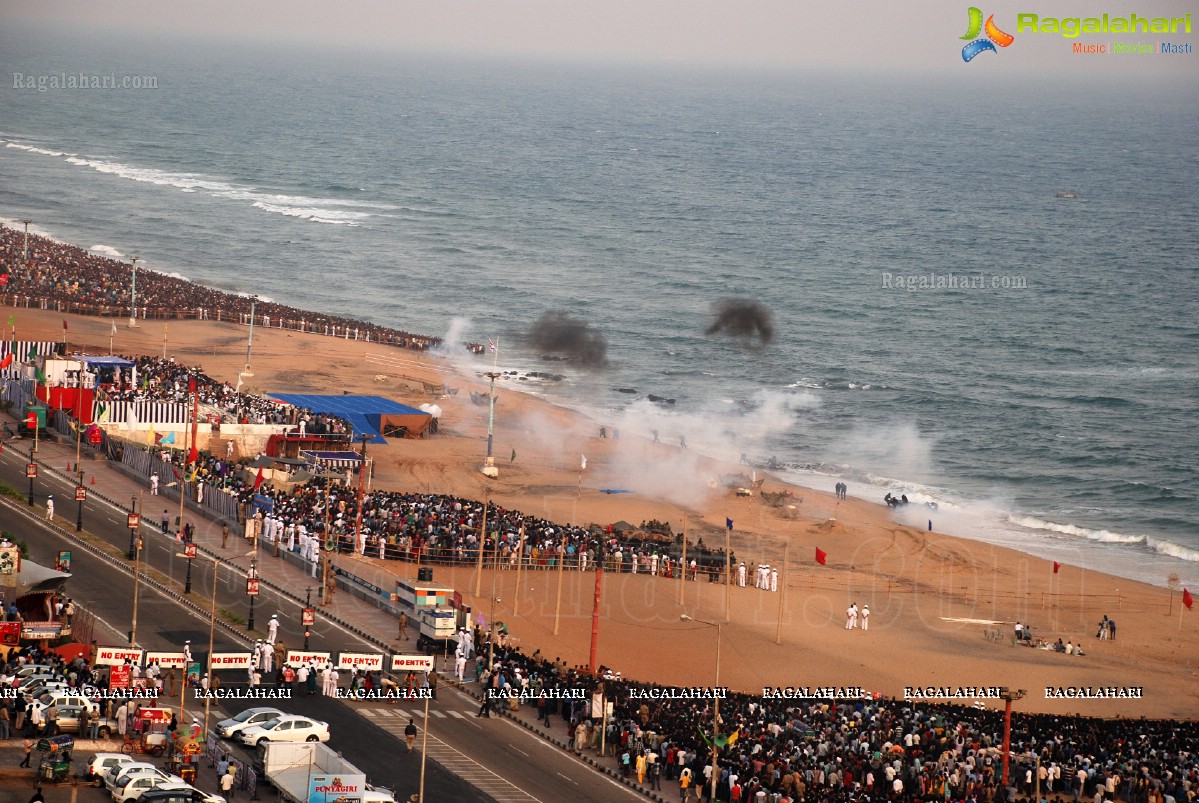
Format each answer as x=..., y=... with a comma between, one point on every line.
x=272, y=629
x=50, y=507
x=410, y=734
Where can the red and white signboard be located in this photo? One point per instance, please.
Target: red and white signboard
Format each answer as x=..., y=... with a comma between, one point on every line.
x=412, y=663
x=115, y=656
x=118, y=677
x=252, y=586
x=308, y=617
x=297, y=657
x=360, y=660
x=230, y=660
x=189, y=551
x=165, y=660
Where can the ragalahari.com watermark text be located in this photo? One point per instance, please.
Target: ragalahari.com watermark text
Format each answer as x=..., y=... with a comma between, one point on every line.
x=953, y=281
x=82, y=80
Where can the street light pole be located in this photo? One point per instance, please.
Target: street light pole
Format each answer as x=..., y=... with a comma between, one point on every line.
x=216, y=563
x=715, y=698
x=361, y=492
x=80, y=495
x=1008, y=696
x=25, y=248
x=133, y=295
x=137, y=577
x=250, y=341
x=253, y=575
x=133, y=522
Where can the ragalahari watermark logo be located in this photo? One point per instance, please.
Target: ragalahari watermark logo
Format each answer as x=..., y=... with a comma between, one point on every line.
x=994, y=35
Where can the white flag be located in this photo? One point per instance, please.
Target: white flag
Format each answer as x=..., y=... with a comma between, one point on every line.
x=583, y=463
x=114, y=327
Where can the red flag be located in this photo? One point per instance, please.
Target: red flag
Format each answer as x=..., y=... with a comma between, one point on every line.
x=258, y=480
x=193, y=455
x=7, y=361
x=1187, y=599
x=64, y=324
x=1056, y=567
x=821, y=556
x=191, y=385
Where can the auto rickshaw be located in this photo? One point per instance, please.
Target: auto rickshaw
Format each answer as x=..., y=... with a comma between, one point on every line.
x=56, y=758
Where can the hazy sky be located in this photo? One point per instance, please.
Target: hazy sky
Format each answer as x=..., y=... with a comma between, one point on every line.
x=867, y=34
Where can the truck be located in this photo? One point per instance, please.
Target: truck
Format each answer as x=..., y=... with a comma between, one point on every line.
x=312, y=772
x=438, y=628
x=416, y=595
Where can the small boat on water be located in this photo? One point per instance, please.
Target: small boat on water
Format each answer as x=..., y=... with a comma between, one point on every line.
x=1069, y=195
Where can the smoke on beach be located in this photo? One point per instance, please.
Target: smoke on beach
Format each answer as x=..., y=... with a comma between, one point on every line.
x=559, y=334
x=722, y=429
x=746, y=320
x=455, y=336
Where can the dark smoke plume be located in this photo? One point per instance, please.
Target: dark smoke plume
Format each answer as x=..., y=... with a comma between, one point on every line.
x=743, y=319
x=558, y=333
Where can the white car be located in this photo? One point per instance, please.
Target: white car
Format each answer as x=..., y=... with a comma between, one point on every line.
x=67, y=700
x=31, y=682
x=102, y=762
x=35, y=669
x=173, y=793
x=133, y=787
x=229, y=728
x=119, y=772
x=287, y=728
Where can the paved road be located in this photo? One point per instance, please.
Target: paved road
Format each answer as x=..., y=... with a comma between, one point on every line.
x=501, y=760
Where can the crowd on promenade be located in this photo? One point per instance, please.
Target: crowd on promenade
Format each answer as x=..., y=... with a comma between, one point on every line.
x=70, y=279
x=864, y=749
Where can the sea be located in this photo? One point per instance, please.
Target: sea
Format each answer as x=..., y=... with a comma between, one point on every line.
x=973, y=289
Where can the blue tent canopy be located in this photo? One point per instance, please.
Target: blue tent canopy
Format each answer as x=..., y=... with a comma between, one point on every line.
x=366, y=414
x=105, y=362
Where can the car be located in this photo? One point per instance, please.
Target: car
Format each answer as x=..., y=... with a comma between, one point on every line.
x=115, y=773
x=229, y=728
x=286, y=728
x=134, y=787
x=178, y=794
x=66, y=700
x=101, y=763
x=35, y=669
x=50, y=681
x=68, y=722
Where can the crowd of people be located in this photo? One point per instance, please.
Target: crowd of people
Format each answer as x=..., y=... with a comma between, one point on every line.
x=70, y=279
x=788, y=750
x=155, y=379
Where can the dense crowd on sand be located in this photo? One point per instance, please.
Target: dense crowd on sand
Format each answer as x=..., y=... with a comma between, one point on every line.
x=443, y=529
x=69, y=279
x=861, y=750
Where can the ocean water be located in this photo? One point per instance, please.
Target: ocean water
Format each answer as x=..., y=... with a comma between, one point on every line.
x=1048, y=404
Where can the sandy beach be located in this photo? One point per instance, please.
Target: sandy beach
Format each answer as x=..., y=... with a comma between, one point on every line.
x=932, y=596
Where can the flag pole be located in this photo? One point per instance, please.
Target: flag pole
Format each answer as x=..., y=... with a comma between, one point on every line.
x=561, y=569
x=683, y=563
x=778, y=634
x=728, y=572
x=520, y=557
x=482, y=541
x=111, y=333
